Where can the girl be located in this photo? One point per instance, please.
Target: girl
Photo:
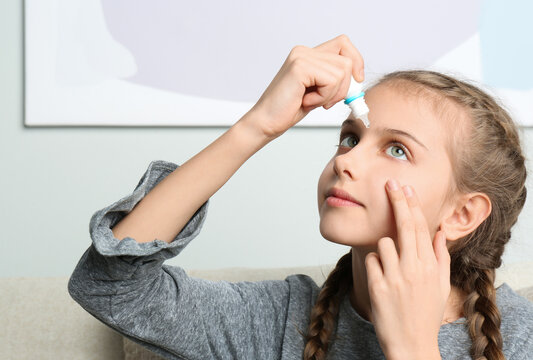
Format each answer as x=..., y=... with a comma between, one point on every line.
x=418, y=282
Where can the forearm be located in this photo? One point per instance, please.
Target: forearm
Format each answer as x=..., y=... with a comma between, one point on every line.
x=167, y=208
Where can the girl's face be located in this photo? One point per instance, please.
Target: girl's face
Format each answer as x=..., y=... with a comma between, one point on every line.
x=406, y=142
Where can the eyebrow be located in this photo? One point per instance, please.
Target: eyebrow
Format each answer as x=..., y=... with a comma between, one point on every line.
x=352, y=122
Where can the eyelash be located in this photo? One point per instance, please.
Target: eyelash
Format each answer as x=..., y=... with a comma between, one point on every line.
x=393, y=141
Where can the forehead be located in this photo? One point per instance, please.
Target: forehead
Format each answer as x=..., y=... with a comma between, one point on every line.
x=414, y=113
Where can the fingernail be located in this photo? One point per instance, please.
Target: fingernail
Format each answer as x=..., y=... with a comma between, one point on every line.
x=362, y=74
x=408, y=191
x=392, y=185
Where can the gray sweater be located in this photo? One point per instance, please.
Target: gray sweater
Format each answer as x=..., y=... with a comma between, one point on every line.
x=125, y=285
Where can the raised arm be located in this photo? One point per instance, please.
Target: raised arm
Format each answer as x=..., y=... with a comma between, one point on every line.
x=165, y=210
x=309, y=78
x=121, y=278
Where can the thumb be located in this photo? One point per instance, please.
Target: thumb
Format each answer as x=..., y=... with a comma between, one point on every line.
x=443, y=259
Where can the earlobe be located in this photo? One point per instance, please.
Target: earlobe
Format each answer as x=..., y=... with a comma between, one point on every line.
x=471, y=210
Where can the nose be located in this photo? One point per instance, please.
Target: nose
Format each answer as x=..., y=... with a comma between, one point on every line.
x=349, y=165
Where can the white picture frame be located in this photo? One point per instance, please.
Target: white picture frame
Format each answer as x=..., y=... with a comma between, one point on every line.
x=176, y=63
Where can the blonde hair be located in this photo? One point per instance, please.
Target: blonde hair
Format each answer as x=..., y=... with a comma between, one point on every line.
x=500, y=174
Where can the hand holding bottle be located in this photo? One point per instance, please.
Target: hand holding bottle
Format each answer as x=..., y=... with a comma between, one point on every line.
x=309, y=78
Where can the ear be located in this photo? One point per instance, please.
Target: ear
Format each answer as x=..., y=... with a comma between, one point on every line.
x=469, y=212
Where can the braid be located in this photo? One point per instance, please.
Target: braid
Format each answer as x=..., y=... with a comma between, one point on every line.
x=324, y=313
x=483, y=317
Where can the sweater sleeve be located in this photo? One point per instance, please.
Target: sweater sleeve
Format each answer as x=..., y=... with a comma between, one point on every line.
x=125, y=285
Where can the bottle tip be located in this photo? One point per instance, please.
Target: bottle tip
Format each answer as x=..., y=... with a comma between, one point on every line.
x=365, y=120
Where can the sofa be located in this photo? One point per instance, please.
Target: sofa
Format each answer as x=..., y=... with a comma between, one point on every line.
x=41, y=321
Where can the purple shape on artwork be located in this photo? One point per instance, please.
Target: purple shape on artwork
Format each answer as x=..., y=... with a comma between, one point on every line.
x=232, y=49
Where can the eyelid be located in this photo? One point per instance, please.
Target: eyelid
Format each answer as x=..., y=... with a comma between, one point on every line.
x=396, y=142
x=346, y=133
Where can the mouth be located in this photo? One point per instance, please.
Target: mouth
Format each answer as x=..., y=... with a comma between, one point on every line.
x=338, y=197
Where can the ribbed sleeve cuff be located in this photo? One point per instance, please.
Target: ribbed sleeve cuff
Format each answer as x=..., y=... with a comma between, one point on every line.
x=103, y=220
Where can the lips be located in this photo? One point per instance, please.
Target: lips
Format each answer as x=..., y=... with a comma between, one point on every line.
x=341, y=194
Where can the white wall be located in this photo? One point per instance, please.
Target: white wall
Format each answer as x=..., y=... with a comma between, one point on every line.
x=53, y=179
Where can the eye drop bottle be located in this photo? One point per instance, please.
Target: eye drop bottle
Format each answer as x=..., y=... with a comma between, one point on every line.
x=355, y=99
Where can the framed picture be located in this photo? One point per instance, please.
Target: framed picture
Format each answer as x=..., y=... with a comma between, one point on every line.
x=205, y=63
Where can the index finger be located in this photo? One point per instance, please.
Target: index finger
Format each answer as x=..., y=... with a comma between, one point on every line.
x=405, y=224
x=424, y=242
x=343, y=46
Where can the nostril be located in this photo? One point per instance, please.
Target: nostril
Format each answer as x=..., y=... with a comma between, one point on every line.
x=340, y=167
x=347, y=174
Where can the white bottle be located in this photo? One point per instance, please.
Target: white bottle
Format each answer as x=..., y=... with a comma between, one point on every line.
x=355, y=99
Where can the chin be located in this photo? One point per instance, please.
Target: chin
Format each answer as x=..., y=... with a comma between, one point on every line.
x=343, y=235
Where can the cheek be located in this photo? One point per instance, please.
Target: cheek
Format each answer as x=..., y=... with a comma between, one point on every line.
x=379, y=192
x=431, y=198
x=378, y=218
x=431, y=206
x=382, y=216
x=323, y=181
x=383, y=213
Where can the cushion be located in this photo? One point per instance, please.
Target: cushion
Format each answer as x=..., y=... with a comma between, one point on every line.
x=40, y=320
x=134, y=351
x=526, y=292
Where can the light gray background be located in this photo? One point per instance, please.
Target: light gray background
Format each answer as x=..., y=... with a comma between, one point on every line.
x=53, y=179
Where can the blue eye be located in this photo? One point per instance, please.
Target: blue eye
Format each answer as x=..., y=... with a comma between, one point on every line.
x=349, y=141
x=396, y=152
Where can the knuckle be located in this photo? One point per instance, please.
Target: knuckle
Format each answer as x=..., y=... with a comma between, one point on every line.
x=339, y=74
x=347, y=61
x=347, y=64
x=377, y=288
x=344, y=38
x=396, y=282
x=297, y=62
x=332, y=76
x=296, y=52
